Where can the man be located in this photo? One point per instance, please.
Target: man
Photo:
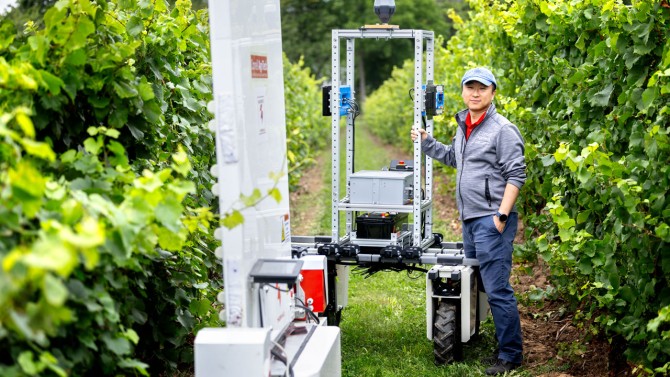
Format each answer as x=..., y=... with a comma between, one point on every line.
x=488, y=154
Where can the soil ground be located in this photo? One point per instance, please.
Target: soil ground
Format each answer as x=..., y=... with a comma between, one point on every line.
x=554, y=346
x=311, y=184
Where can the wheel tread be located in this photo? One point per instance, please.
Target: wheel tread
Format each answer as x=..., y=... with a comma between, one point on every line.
x=446, y=344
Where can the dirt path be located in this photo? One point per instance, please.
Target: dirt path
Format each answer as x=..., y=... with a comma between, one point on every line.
x=304, y=217
x=553, y=345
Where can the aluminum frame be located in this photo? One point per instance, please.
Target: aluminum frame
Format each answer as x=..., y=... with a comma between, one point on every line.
x=418, y=206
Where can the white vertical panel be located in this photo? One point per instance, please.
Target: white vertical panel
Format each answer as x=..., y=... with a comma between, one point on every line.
x=250, y=140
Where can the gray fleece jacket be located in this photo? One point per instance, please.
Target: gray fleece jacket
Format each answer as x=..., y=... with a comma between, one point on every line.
x=492, y=157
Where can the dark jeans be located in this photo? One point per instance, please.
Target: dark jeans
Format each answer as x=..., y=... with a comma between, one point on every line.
x=493, y=250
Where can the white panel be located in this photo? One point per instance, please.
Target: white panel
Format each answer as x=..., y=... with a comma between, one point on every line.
x=314, y=262
x=466, y=304
x=342, y=286
x=321, y=356
x=232, y=352
x=276, y=305
x=430, y=310
x=250, y=141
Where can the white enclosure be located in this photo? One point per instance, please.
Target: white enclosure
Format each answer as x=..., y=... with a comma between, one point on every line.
x=250, y=144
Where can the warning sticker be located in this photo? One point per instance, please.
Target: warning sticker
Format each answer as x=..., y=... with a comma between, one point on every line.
x=259, y=67
x=286, y=229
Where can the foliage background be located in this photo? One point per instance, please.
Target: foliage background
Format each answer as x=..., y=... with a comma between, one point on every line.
x=307, y=25
x=588, y=85
x=107, y=262
x=307, y=130
x=106, y=256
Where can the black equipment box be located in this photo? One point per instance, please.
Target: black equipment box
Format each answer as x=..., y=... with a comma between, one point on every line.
x=379, y=225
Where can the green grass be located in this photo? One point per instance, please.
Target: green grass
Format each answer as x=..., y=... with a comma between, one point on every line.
x=384, y=325
x=384, y=331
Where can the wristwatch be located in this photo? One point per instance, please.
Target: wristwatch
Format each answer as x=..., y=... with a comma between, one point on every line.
x=501, y=216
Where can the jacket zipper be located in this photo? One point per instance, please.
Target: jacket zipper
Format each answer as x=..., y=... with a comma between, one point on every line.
x=487, y=192
x=460, y=179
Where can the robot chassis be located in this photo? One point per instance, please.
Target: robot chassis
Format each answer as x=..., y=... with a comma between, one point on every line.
x=454, y=303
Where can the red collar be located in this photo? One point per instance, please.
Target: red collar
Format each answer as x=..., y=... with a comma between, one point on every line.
x=470, y=126
x=468, y=120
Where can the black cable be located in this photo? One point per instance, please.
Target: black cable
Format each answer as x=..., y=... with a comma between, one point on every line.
x=369, y=270
x=303, y=306
x=423, y=118
x=409, y=275
x=354, y=108
x=423, y=214
x=309, y=311
x=299, y=299
x=353, y=144
x=357, y=108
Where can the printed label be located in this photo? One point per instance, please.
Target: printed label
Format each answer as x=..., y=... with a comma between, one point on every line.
x=259, y=67
x=286, y=229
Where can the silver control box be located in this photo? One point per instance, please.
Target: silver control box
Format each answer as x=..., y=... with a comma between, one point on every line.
x=381, y=187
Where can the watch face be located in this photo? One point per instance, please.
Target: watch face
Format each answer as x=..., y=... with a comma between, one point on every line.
x=502, y=217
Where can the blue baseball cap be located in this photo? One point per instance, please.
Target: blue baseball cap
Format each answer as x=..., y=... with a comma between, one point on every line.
x=479, y=74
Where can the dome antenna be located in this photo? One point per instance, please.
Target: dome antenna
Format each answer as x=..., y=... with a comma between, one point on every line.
x=384, y=9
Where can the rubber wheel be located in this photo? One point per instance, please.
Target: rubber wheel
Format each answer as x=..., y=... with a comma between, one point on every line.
x=446, y=342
